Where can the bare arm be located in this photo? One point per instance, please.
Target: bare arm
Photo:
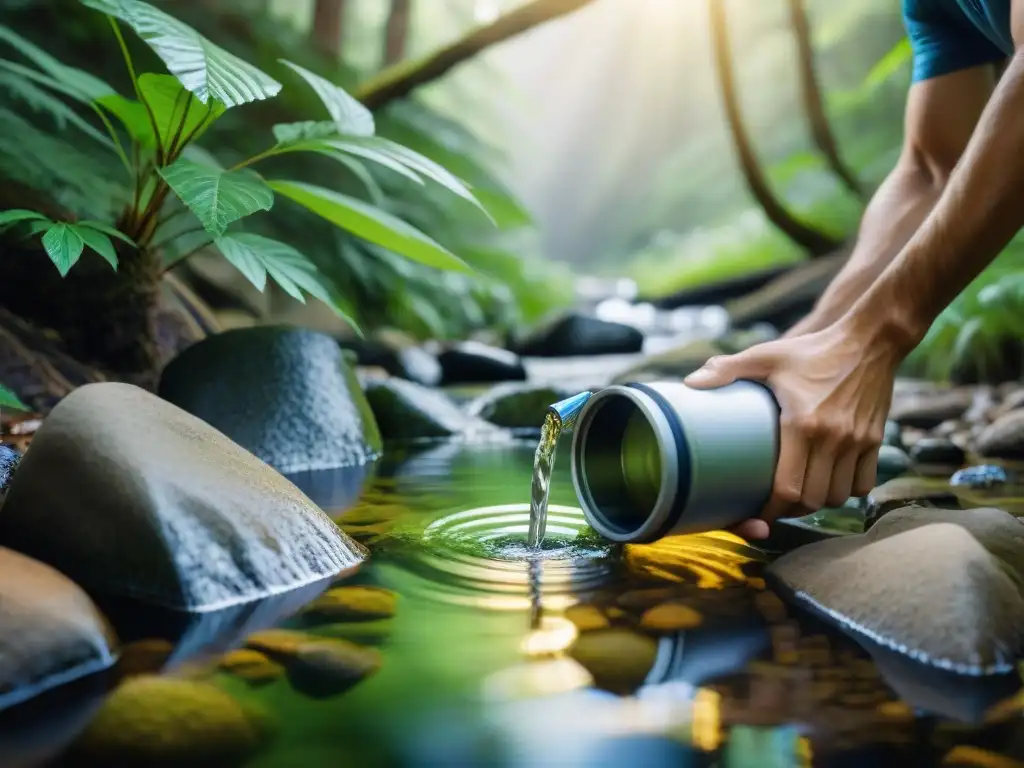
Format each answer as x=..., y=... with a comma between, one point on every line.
x=940, y=118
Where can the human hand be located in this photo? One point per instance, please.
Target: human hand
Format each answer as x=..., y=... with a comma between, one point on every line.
x=834, y=389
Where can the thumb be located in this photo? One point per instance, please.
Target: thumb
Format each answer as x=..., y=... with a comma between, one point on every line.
x=725, y=369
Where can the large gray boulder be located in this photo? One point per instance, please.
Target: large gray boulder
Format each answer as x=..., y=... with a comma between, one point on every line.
x=51, y=632
x=941, y=586
x=134, y=498
x=287, y=395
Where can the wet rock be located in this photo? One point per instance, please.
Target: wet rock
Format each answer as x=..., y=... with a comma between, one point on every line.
x=327, y=668
x=144, y=657
x=618, y=659
x=163, y=721
x=407, y=411
x=949, y=428
x=278, y=642
x=285, y=394
x=937, y=450
x=397, y=354
x=517, y=406
x=209, y=525
x=892, y=462
x=50, y=634
x=252, y=666
x=1013, y=401
x=575, y=334
x=983, y=404
x=670, y=617
x=471, y=362
x=904, y=491
x=926, y=410
x=9, y=459
x=893, y=435
x=587, y=618
x=982, y=476
x=355, y=603
x=938, y=585
x=1004, y=437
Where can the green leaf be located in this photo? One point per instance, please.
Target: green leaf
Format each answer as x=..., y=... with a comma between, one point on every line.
x=99, y=242
x=371, y=224
x=9, y=400
x=42, y=101
x=892, y=62
x=335, y=147
x=87, y=87
x=216, y=197
x=19, y=214
x=106, y=229
x=168, y=100
x=64, y=245
x=348, y=114
x=205, y=69
x=256, y=256
x=310, y=130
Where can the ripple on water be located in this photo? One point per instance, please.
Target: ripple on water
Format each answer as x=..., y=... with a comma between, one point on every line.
x=480, y=557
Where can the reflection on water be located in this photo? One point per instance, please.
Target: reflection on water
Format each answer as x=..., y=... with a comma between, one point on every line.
x=458, y=645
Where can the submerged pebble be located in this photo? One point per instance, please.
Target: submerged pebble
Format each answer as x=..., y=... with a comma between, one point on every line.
x=252, y=666
x=278, y=642
x=324, y=668
x=354, y=603
x=618, y=659
x=670, y=617
x=587, y=617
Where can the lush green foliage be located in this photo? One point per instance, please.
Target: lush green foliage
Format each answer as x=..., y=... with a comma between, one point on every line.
x=9, y=400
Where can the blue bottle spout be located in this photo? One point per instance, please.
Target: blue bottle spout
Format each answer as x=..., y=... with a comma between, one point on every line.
x=569, y=409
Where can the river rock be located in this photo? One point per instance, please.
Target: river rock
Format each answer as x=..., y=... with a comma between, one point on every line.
x=984, y=476
x=670, y=617
x=518, y=406
x=51, y=632
x=208, y=525
x=407, y=411
x=575, y=333
x=470, y=362
x=618, y=659
x=1004, y=437
x=353, y=603
x=1013, y=401
x=9, y=459
x=675, y=363
x=284, y=394
x=983, y=404
x=325, y=668
x=587, y=618
x=160, y=722
x=904, y=491
x=398, y=354
x=892, y=462
x=893, y=435
x=940, y=586
x=926, y=410
x=252, y=666
x=937, y=450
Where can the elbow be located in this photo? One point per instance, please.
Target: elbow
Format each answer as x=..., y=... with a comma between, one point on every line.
x=927, y=168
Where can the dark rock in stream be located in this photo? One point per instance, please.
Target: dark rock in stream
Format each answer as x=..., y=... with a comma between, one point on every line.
x=397, y=354
x=937, y=450
x=51, y=632
x=904, y=491
x=134, y=498
x=9, y=459
x=575, y=334
x=940, y=586
x=1004, y=437
x=985, y=476
x=285, y=394
x=407, y=411
x=517, y=406
x=892, y=462
x=893, y=435
x=471, y=362
x=927, y=409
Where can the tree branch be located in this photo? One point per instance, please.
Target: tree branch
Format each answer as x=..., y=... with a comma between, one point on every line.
x=815, y=242
x=401, y=79
x=810, y=88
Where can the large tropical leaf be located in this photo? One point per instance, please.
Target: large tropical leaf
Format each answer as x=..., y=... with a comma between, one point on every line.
x=42, y=101
x=64, y=246
x=170, y=104
x=350, y=117
x=288, y=134
x=217, y=197
x=99, y=242
x=205, y=69
x=256, y=257
x=371, y=224
x=87, y=87
x=9, y=400
x=16, y=215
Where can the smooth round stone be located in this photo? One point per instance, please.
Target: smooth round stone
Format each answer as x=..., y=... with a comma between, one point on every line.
x=981, y=476
x=892, y=462
x=325, y=668
x=670, y=617
x=587, y=618
x=618, y=659
x=937, y=450
x=893, y=434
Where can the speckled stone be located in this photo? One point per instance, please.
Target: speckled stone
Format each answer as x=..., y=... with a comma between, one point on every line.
x=285, y=394
x=132, y=497
x=518, y=406
x=50, y=631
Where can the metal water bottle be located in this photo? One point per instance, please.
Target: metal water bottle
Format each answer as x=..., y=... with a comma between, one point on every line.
x=651, y=460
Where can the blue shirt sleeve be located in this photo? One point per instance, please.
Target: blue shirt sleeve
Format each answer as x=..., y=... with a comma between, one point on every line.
x=943, y=40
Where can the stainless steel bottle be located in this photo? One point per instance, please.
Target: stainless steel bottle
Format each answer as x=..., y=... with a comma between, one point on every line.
x=651, y=460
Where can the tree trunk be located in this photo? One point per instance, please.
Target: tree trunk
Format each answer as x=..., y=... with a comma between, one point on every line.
x=328, y=26
x=396, y=32
x=816, y=243
x=399, y=80
x=814, y=107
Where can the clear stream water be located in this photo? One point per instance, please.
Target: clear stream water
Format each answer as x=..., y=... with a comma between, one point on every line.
x=586, y=654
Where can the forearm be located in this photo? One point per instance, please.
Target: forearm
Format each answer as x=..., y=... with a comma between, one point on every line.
x=976, y=216
x=897, y=209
